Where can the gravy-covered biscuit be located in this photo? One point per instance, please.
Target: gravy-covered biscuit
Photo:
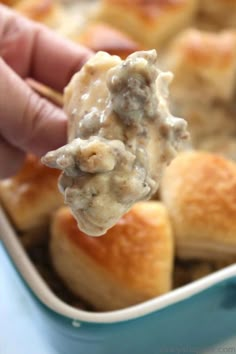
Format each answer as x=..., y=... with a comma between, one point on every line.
x=121, y=135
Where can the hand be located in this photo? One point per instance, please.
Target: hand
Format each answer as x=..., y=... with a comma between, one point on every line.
x=29, y=123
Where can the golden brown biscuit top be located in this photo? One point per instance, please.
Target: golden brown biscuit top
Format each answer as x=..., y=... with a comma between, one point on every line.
x=101, y=37
x=34, y=170
x=32, y=179
x=8, y=2
x=138, y=244
x=35, y=9
x=202, y=49
x=202, y=187
x=148, y=9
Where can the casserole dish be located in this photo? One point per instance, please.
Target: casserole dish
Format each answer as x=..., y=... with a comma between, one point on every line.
x=186, y=320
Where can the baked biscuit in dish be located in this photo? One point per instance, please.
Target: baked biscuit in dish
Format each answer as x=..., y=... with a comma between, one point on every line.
x=132, y=263
x=217, y=14
x=225, y=146
x=199, y=191
x=204, y=68
x=9, y=2
x=31, y=195
x=187, y=271
x=48, y=12
x=102, y=37
x=150, y=22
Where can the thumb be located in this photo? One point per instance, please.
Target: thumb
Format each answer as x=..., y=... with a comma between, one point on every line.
x=27, y=121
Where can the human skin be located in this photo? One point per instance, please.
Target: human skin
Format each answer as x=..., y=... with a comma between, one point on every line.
x=28, y=122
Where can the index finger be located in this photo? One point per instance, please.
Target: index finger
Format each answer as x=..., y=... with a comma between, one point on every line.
x=44, y=55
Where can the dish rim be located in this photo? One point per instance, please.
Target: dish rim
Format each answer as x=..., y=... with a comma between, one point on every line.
x=44, y=294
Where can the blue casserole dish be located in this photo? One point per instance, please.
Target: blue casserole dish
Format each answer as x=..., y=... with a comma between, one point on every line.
x=186, y=320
